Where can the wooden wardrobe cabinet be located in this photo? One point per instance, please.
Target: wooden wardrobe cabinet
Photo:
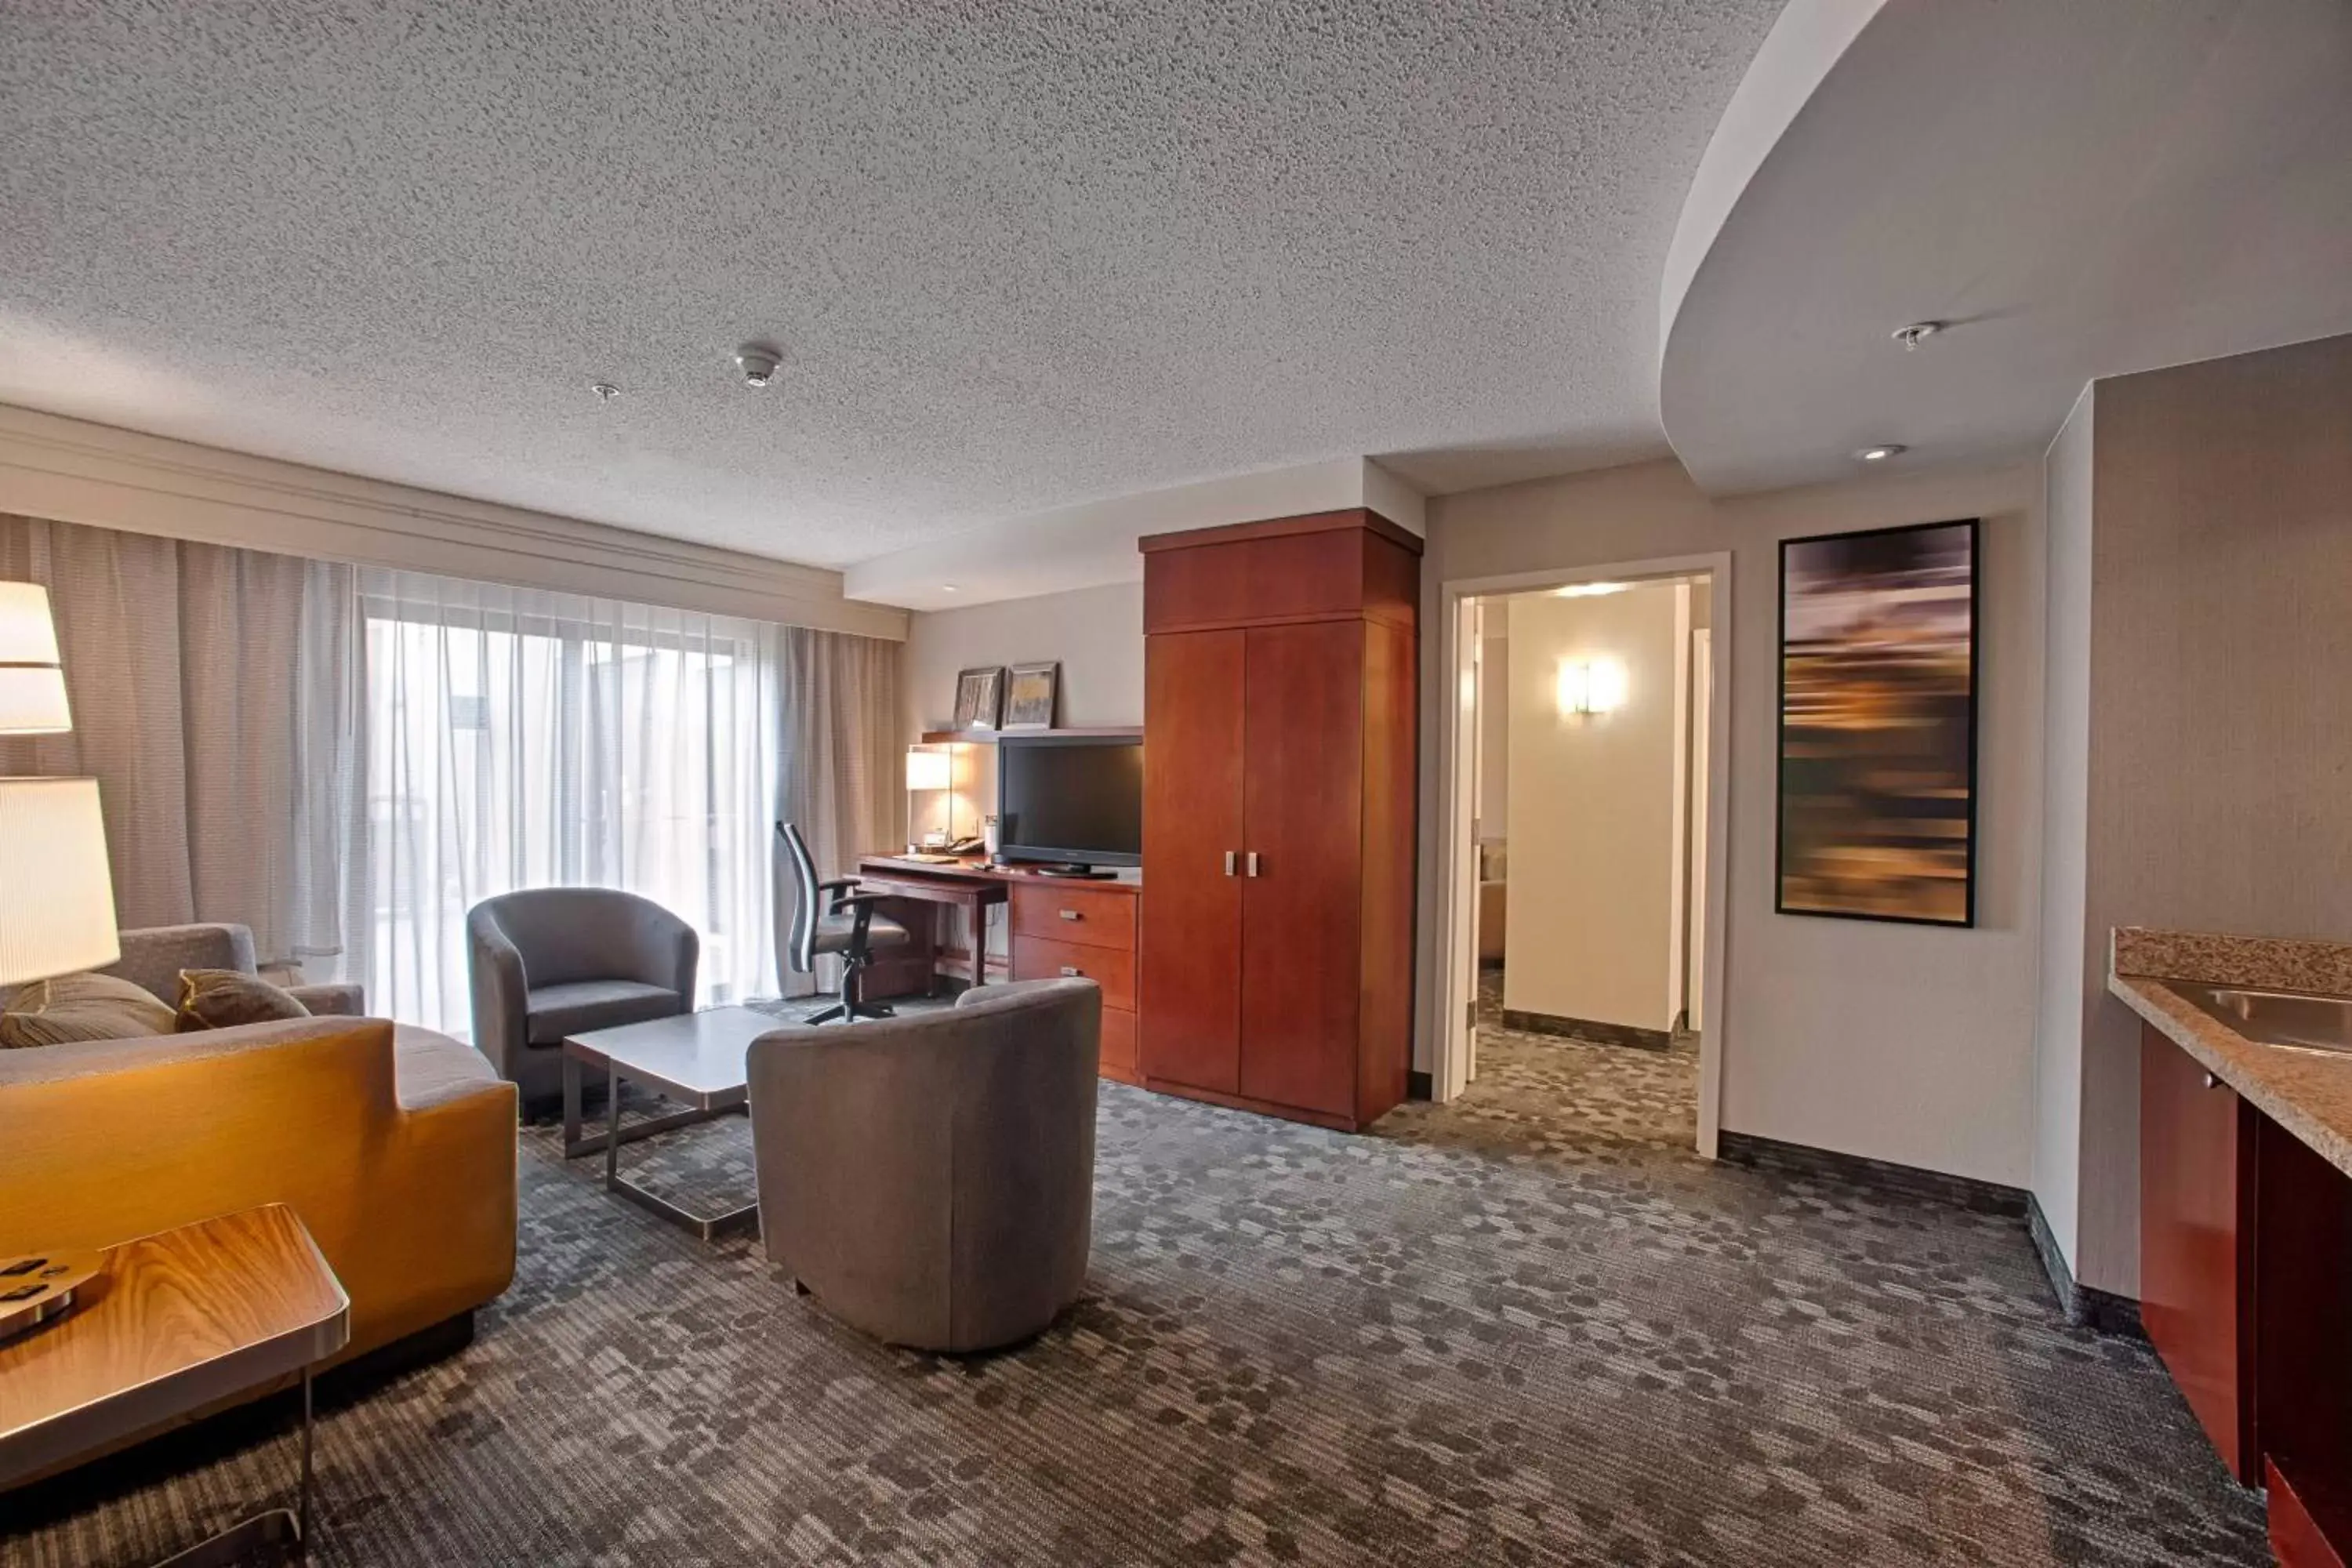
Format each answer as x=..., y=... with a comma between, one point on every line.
x=1279, y=723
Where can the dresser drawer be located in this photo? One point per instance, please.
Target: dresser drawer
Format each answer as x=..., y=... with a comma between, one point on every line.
x=1033, y=958
x=1118, y=1043
x=1087, y=916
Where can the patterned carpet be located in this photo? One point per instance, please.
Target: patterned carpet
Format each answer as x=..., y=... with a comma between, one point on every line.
x=1527, y=1328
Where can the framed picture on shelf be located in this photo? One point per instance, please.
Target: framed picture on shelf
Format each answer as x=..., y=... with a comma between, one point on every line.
x=1030, y=694
x=1877, y=811
x=980, y=698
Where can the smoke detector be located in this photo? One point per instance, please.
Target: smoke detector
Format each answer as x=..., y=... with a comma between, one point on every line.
x=758, y=363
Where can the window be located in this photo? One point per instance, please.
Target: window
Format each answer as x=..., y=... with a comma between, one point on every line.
x=522, y=738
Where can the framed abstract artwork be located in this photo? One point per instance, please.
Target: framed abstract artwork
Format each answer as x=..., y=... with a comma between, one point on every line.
x=1029, y=691
x=1877, y=809
x=980, y=697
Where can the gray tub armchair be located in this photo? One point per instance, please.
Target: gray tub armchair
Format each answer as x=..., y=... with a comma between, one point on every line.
x=551, y=962
x=929, y=1178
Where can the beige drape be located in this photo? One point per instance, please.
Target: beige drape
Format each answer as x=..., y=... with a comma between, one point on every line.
x=841, y=756
x=213, y=700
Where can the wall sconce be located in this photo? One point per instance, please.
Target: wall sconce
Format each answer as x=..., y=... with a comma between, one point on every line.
x=1591, y=685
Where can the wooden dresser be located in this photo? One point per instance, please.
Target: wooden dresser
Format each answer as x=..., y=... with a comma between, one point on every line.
x=1072, y=926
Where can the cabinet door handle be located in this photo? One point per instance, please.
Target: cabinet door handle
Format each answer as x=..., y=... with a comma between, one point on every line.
x=1072, y=915
x=2211, y=1081
x=1072, y=971
x=1253, y=862
x=1229, y=862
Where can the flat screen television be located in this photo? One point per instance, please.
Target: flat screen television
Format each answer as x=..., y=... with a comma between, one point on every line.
x=1072, y=801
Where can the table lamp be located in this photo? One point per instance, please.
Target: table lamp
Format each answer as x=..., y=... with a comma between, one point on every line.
x=927, y=769
x=32, y=682
x=57, y=895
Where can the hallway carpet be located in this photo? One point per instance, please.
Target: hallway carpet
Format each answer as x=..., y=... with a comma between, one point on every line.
x=1488, y=1333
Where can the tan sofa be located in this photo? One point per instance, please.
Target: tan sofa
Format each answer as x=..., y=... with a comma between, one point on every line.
x=396, y=1145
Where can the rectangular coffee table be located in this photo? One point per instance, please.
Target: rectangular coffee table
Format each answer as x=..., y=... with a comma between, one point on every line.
x=173, y=1322
x=694, y=1057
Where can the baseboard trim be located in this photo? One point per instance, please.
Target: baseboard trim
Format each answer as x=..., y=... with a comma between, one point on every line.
x=1880, y=1175
x=1590, y=1030
x=2083, y=1306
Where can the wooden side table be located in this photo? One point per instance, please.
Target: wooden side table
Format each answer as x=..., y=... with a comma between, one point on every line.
x=177, y=1321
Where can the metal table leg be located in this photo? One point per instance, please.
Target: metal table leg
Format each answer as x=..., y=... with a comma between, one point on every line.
x=707, y=1226
x=283, y=1531
x=577, y=1141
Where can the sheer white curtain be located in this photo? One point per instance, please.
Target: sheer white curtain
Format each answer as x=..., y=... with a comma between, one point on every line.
x=520, y=737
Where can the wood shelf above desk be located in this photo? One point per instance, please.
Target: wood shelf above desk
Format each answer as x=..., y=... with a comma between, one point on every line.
x=990, y=736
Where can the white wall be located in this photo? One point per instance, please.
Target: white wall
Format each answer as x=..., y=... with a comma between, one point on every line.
x=2065, y=976
x=1589, y=896
x=1902, y=1042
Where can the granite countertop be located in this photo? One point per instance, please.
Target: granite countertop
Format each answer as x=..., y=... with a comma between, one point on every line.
x=2307, y=1092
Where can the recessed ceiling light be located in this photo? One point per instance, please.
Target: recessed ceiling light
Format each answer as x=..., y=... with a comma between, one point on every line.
x=1592, y=590
x=1879, y=453
x=604, y=389
x=949, y=588
x=1917, y=332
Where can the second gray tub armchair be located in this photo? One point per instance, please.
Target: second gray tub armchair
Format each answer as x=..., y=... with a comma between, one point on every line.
x=929, y=1178
x=551, y=962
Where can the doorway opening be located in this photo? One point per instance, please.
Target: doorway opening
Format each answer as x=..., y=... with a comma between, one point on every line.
x=1581, y=858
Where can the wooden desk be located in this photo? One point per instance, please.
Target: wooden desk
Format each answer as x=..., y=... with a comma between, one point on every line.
x=970, y=886
x=177, y=1321
x=1057, y=925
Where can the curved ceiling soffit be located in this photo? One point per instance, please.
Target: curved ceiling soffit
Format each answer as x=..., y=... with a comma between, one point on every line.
x=1808, y=39
x=2082, y=190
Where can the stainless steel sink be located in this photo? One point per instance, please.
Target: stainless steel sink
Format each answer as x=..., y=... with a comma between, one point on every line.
x=2275, y=1017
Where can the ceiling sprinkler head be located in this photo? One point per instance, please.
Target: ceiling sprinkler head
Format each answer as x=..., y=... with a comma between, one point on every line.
x=758, y=363
x=1917, y=332
x=604, y=389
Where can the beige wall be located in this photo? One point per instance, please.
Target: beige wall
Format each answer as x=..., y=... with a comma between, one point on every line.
x=1096, y=633
x=2220, y=737
x=1591, y=891
x=1899, y=1043
x=1494, y=721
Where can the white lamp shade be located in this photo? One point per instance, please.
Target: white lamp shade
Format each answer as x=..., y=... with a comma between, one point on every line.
x=33, y=700
x=32, y=687
x=27, y=633
x=57, y=895
x=929, y=770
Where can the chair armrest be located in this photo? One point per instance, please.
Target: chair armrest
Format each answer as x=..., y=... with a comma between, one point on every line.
x=499, y=988
x=337, y=998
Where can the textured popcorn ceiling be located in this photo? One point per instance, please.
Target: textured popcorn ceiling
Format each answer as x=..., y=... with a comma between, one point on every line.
x=1014, y=258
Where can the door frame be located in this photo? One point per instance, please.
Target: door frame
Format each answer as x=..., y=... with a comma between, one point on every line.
x=1456, y=859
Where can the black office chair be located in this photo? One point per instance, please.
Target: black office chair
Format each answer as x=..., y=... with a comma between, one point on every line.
x=845, y=925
